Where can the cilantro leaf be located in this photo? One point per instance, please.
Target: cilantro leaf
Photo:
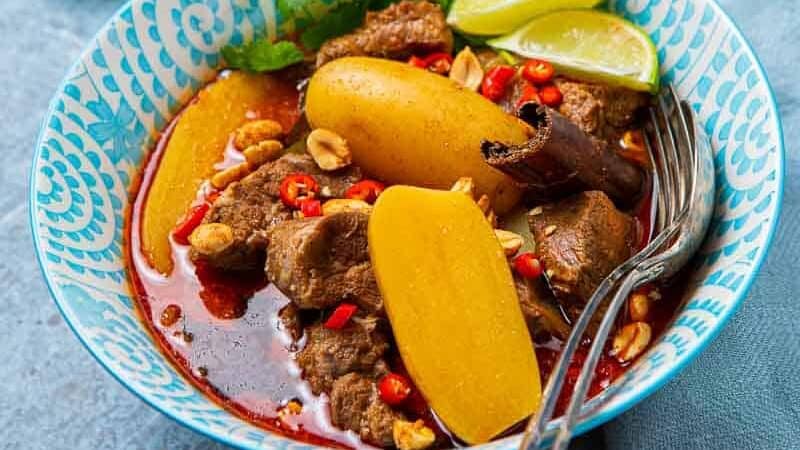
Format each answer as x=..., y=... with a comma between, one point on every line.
x=341, y=20
x=262, y=55
x=445, y=5
x=461, y=40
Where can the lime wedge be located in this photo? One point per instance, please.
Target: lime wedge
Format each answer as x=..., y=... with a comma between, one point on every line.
x=494, y=17
x=589, y=44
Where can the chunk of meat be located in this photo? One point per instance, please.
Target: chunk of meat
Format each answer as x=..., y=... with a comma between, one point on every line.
x=600, y=110
x=581, y=239
x=397, y=32
x=539, y=309
x=356, y=405
x=320, y=261
x=329, y=354
x=252, y=206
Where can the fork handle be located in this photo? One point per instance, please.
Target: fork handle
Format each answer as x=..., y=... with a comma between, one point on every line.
x=634, y=279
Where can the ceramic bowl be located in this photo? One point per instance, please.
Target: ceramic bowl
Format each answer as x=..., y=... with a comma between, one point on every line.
x=154, y=54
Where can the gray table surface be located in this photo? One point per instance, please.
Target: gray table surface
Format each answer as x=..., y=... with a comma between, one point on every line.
x=54, y=396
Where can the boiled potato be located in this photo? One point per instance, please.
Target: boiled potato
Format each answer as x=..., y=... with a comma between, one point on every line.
x=198, y=142
x=450, y=297
x=409, y=126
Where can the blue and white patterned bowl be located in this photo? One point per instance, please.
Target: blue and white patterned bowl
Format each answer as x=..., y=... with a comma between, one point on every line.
x=153, y=55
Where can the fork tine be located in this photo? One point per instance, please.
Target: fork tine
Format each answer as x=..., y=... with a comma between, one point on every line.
x=666, y=141
x=669, y=169
x=663, y=171
x=666, y=174
x=655, y=154
x=678, y=183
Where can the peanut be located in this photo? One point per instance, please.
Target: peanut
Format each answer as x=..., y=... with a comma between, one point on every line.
x=263, y=152
x=211, y=238
x=466, y=70
x=484, y=204
x=511, y=242
x=412, y=435
x=345, y=204
x=631, y=341
x=222, y=179
x=639, y=307
x=252, y=133
x=465, y=185
x=329, y=150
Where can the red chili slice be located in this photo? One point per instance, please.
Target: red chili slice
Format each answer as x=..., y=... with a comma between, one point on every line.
x=439, y=62
x=496, y=80
x=311, y=208
x=537, y=71
x=550, y=95
x=416, y=61
x=394, y=388
x=529, y=94
x=192, y=219
x=296, y=188
x=366, y=190
x=341, y=315
x=528, y=265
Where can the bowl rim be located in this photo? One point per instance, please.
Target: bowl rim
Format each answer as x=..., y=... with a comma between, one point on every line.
x=592, y=421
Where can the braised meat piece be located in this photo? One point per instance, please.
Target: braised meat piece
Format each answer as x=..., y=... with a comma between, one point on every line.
x=356, y=405
x=252, y=206
x=539, y=308
x=581, y=240
x=600, y=110
x=320, y=261
x=329, y=354
x=397, y=32
x=332, y=184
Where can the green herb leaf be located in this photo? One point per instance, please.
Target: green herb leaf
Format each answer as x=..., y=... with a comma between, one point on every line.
x=461, y=40
x=262, y=55
x=341, y=20
x=445, y=5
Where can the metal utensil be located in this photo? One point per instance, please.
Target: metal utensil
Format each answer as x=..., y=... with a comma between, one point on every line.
x=684, y=187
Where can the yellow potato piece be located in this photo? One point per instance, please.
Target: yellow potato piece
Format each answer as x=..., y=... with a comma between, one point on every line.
x=450, y=298
x=197, y=143
x=410, y=126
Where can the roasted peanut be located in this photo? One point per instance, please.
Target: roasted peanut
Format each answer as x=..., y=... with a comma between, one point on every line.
x=631, y=341
x=492, y=218
x=211, y=238
x=294, y=407
x=251, y=133
x=337, y=205
x=263, y=152
x=511, y=242
x=639, y=307
x=484, y=204
x=465, y=185
x=329, y=150
x=632, y=147
x=412, y=435
x=222, y=179
x=467, y=70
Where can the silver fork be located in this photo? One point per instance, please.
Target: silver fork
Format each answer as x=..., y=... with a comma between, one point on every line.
x=684, y=187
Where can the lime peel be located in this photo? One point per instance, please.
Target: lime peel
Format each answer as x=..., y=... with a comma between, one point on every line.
x=589, y=44
x=495, y=17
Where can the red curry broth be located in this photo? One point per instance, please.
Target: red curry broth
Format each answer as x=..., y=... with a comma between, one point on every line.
x=227, y=338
